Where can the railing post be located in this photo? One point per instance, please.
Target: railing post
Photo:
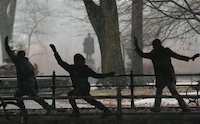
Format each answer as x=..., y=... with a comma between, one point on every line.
x=132, y=92
x=53, y=89
x=119, y=103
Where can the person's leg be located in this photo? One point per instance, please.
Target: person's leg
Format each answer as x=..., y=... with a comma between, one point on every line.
x=157, y=99
x=98, y=105
x=18, y=95
x=183, y=106
x=95, y=103
x=73, y=103
x=31, y=93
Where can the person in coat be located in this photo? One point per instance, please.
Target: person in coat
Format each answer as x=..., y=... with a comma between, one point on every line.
x=26, y=80
x=79, y=73
x=164, y=71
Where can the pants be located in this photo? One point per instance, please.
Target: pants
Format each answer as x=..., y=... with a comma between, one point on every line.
x=84, y=92
x=172, y=88
x=29, y=91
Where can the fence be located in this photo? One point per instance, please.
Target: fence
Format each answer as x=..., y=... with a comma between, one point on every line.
x=133, y=83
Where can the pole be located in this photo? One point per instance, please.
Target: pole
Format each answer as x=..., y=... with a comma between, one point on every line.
x=53, y=89
x=132, y=90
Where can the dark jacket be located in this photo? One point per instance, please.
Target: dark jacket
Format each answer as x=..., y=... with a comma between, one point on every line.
x=25, y=72
x=161, y=58
x=79, y=73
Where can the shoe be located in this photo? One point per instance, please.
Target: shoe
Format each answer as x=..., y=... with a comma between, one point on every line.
x=106, y=114
x=49, y=109
x=155, y=109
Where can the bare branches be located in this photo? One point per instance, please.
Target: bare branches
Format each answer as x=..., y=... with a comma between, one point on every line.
x=181, y=10
x=175, y=20
x=34, y=16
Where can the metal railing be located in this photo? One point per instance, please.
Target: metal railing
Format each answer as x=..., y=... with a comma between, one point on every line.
x=132, y=85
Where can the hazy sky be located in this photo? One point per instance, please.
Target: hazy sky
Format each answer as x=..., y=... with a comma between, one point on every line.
x=66, y=31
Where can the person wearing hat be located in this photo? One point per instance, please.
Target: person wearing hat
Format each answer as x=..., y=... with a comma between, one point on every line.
x=79, y=73
x=164, y=71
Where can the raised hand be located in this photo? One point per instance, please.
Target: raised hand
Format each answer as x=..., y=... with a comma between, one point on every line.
x=53, y=47
x=6, y=39
x=194, y=57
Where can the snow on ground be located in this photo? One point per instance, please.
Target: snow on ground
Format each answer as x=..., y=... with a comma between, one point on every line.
x=148, y=102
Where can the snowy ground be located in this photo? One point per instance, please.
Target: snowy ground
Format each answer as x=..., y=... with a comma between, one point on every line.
x=148, y=102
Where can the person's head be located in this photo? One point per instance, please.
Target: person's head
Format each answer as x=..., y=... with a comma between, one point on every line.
x=79, y=59
x=21, y=54
x=156, y=43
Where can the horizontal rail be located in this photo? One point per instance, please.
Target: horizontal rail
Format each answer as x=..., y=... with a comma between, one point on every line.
x=118, y=95
x=101, y=97
x=116, y=75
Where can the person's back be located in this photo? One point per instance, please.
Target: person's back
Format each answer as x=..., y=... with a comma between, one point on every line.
x=164, y=70
x=161, y=58
x=79, y=73
x=25, y=73
x=79, y=76
x=26, y=80
x=24, y=69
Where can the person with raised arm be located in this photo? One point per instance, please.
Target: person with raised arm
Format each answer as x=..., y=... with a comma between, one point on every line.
x=164, y=71
x=26, y=80
x=79, y=73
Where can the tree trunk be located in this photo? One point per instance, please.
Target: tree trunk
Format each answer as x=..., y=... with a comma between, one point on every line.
x=7, y=15
x=104, y=19
x=137, y=10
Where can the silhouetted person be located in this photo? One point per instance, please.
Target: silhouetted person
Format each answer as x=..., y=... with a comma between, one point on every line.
x=79, y=73
x=88, y=46
x=164, y=71
x=26, y=80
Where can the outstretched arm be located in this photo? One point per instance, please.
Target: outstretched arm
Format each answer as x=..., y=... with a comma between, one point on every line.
x=97, y=75
x=90, y=73
x=8, y=50
x=139, y=51
x=104, y=75
x=58, y=58
x=181, y=57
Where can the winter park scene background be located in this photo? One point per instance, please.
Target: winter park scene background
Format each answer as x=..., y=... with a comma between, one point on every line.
x=65, y=23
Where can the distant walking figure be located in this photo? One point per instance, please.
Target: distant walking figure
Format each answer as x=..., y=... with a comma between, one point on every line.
x=164, y=71
x=26, y=80
x=79, y=73
x=88, y=46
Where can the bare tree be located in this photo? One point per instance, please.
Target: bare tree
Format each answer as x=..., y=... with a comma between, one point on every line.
x=7, y=14
x=34, y=16
x=104, y=19
x=137, y=30
x=175, y=19
x=169, y=20
x=125, y=10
